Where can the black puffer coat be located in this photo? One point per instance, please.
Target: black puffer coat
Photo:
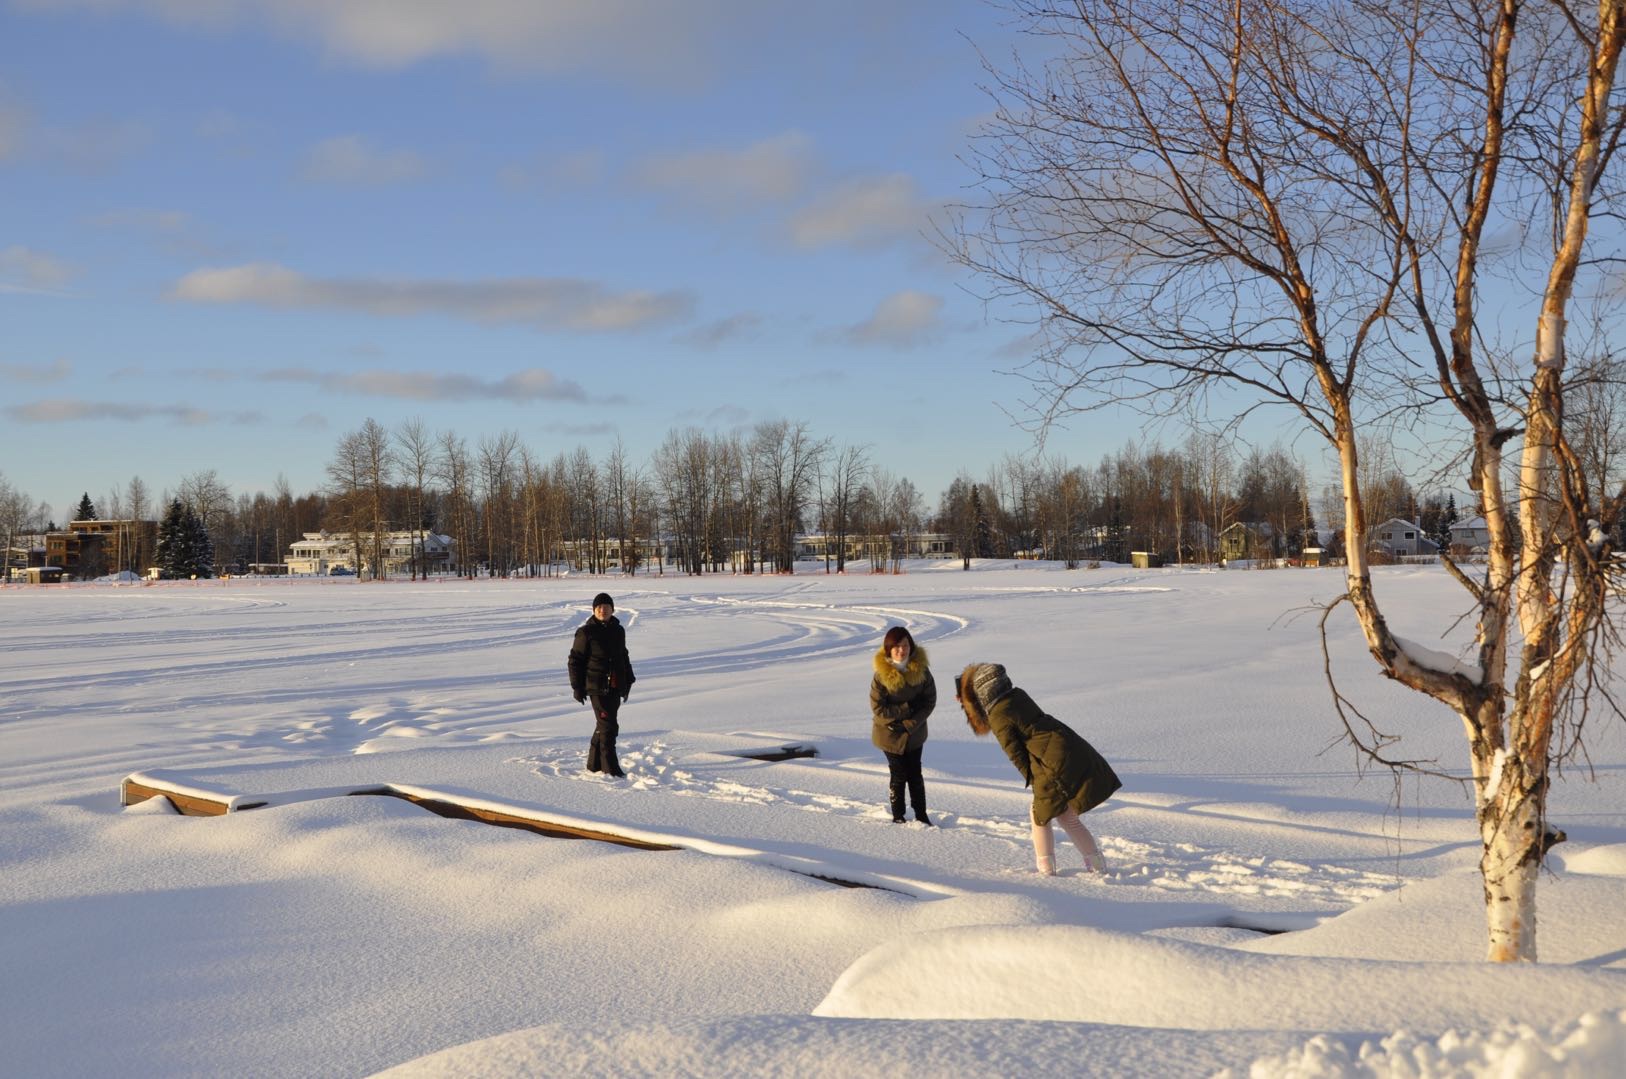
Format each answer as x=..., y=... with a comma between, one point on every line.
x=599, y=665
x=904, y=698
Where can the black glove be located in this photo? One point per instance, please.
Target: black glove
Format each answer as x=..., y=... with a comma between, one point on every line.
x=581, y=698
x=625, y=693
x=896, y=726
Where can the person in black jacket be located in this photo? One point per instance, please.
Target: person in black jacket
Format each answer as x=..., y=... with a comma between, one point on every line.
x=600, y=669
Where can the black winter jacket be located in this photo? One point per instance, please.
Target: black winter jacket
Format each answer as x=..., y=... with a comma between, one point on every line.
x=599, y=665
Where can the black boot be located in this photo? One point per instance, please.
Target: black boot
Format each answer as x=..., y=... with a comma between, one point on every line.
x=612, y=764
x=595, y=762
x=897, y=803
x=917, y=799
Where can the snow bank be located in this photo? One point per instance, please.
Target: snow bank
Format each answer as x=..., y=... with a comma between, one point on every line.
x=793, y=1045
x=1435, y=920
x=1095, y=976
x=1593, y=1045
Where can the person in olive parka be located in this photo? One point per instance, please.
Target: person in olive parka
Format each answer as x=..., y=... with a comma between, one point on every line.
x=600, y=669
x=901, y=695
x=1066, y=773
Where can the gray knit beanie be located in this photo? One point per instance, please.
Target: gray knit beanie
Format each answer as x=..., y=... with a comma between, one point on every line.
x=990, y=683
x=978, y=687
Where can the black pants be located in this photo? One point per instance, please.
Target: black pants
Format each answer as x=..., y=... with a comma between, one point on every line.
x=905, y=772
x=601, y=750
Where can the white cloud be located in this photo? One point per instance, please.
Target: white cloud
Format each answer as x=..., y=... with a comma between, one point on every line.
x=92, y=148
x=69, y=410
x=532, y=385
x=13, y=121
x=866, y=212
x=24, y=270
x=172, y=231
x=217, y=123
x=550, y=303
x=578, y=430
x=903, y=320
x=351, y=159
x=774, y=170
x=733, y=328
x=576, y=170
x=55, y=371
x=654, y=41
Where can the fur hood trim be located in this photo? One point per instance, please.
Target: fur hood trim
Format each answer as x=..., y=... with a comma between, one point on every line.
x=980, y=685
x=892, y=679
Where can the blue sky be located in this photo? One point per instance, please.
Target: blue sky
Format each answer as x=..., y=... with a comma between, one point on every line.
x=232, y=230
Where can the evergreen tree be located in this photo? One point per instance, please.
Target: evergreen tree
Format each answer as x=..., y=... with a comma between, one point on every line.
x=167, y=555
x=86, y=510
x=1308, y=534
x=1442, y=525
x=201, y=548
x=1117, y=544
x=983, y=543
x=184, y=548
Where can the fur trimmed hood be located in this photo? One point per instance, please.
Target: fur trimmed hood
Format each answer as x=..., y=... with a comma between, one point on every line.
x=893, y=680
x=978, y=687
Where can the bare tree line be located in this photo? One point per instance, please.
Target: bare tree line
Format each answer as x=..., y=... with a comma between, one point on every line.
x=707, y=502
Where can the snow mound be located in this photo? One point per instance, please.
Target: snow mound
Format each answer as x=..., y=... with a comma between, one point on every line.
x=1429, y=920
x=808, y=1048
x=1592, y=1045
x=1095, y=976
x=1601, y=861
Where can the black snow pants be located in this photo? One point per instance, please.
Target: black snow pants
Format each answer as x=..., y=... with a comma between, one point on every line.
x=904, y=769
x=601, y=751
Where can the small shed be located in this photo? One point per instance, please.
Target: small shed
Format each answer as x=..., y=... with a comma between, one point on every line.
x=1145, y=559
x=38, y=575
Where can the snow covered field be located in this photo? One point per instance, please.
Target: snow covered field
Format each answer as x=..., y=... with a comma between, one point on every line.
x=1266, y=907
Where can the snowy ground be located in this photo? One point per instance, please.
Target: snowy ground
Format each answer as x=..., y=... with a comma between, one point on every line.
x=1267, y=908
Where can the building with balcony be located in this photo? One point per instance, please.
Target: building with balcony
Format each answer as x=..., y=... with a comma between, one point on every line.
x=323, y=553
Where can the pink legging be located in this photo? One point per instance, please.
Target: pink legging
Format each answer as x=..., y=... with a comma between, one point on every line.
x=1044, y=841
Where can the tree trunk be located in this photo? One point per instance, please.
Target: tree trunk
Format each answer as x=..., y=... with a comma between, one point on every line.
x=1511, y=836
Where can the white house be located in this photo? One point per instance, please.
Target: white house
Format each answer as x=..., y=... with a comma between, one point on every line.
x=321, y=552
x=1472, y=534
x=1400, y=539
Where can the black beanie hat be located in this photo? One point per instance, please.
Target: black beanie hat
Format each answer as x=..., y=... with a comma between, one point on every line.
x=603, y=600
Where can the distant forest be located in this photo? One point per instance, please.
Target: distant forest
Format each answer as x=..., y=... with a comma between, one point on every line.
x=717, y=502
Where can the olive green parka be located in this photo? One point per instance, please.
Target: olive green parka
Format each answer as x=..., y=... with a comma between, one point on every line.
x=1063, y=769
x=903, y=699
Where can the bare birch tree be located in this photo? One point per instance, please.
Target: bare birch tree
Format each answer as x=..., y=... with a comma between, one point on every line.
x=140, y=509
x=415, y=454
x=1235, y=202
x=683, y=467
x=849, y=467
x=455, y=471
x=347, y=486
x=786, y=457
x=499, y=485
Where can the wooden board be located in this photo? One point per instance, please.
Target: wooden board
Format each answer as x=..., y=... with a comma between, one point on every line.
x=539, y=825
